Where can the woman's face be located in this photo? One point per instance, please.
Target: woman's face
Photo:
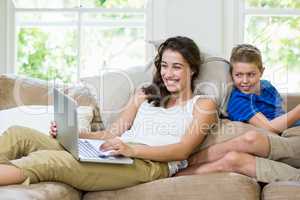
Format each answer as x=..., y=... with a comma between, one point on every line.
x=175, y=72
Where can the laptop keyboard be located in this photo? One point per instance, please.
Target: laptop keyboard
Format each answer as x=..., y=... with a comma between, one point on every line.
x=87, y=150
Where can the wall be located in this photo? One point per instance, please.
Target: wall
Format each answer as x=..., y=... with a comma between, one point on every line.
x=2, y=36
x=200, y=20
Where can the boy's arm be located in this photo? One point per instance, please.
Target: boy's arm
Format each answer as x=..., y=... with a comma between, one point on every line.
x=279, y=124
x=204, y=117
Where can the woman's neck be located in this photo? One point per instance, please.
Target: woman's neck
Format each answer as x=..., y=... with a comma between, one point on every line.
x=179, y=98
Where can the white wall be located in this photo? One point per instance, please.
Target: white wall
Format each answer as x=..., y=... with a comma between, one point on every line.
x=201, y=20
x=2, y=36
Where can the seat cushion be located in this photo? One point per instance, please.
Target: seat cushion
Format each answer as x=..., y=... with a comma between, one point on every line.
x=206, y=187
x=281, y=190
x=40, y=191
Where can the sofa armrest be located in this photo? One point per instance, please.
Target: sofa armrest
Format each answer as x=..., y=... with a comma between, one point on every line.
x=291, y=100
x=18, y=91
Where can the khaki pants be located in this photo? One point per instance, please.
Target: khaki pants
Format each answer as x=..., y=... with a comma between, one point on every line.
x=284, y=158
x=41, y=158
x=283, y=162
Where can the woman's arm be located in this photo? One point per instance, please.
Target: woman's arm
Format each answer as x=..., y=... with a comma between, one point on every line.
x=278, y=124
x=123, y=123
x=204, y=113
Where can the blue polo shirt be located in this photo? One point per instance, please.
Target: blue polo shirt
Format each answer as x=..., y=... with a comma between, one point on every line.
x=242, y=107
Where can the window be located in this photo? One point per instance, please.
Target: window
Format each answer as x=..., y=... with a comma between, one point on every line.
x=274, y=27
x=69, y=39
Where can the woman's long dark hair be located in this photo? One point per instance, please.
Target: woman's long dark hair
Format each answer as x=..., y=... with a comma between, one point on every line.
x=157, y=92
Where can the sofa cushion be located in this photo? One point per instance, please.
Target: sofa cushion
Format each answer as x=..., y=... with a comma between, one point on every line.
x=18, y=91
x=215, y=80
x=206, y=187
x=114, y=88
x=281, y=190
x=40, y=191
x=290, y=100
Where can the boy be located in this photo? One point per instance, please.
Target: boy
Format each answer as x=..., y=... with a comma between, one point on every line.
x=254, y=100
x=253, y=153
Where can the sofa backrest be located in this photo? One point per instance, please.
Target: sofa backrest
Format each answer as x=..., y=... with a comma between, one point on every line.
x=215, y=81
x=114, y=87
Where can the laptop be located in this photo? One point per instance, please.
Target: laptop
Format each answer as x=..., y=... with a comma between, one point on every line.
x=84, y=150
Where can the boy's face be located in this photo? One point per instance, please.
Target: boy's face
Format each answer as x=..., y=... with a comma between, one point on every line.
x=246, y=77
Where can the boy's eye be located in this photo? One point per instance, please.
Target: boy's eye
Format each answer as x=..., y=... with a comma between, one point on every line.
x=238, y=75
x=252, y=74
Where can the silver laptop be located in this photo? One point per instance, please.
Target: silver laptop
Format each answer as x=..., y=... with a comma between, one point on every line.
x=85, y=150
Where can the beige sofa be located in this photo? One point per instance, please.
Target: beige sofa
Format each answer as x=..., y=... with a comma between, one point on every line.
x=117, y=89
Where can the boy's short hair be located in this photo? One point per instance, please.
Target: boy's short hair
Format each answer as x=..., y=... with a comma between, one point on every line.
x=246, y=53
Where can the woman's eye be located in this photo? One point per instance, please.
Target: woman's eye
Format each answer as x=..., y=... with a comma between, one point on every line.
x=177, y=67
x=238, y=75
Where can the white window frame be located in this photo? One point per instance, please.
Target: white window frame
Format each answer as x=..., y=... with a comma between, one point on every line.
x=235, y=14
x=12, y=37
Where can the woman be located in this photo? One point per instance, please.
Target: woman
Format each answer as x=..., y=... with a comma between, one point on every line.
x=163, y=123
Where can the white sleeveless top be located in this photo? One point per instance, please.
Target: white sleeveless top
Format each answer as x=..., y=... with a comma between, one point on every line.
x=156, y=126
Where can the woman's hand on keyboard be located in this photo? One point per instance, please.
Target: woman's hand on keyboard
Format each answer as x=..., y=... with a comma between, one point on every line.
x=118, y=147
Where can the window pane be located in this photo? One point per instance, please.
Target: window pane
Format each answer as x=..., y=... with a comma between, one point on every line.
x=113, y=3
x=273, y=3
x=279, y=40
x=46, y=3
x=111, y=47
x=114, y=40
x=47, y=53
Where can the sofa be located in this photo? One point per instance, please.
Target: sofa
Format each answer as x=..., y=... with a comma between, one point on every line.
x=106, y=94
